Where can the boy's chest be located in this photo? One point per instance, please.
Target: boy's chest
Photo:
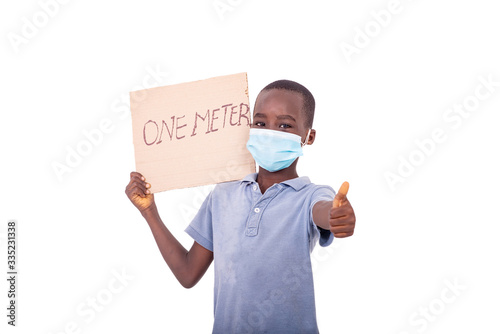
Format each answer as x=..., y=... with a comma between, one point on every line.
x=254, y=223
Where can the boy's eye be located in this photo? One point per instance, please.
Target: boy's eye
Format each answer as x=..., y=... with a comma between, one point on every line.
x=260, y=124
x=285, y=126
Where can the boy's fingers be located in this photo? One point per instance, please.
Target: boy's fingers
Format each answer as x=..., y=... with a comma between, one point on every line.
x=137, y=184
x=342, y=221
x=142, y=187
x=138, y=190
x=135, y=190
x=137, y=176
x=341, y=195
x=344, y=209
x=341, y=229
x=343, y=235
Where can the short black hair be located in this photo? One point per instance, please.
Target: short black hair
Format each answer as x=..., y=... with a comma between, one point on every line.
x=309, y=103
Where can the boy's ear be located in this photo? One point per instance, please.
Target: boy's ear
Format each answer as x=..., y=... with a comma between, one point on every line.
x=312, y=136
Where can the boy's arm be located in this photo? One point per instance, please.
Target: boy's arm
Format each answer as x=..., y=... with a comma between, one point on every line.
x=337, y=215
x=187, y=266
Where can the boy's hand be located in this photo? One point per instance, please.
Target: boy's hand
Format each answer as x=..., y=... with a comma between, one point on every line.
x=342, y=218
x=138, y=192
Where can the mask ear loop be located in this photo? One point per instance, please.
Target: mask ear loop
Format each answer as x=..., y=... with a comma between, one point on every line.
x=302, y=144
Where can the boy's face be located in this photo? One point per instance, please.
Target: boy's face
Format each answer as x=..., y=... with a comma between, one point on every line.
x=281, y=110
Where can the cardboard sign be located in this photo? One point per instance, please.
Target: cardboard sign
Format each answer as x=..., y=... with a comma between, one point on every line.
x=193, y=133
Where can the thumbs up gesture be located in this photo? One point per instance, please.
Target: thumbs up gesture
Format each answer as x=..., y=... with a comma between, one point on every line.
x=342, y=218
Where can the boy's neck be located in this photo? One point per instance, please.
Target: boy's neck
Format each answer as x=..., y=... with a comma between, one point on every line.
x=266, y=179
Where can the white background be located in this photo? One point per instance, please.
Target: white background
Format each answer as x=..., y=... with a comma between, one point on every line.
x=440, y=225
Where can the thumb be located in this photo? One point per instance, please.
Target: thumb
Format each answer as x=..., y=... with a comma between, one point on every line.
x=341, y=195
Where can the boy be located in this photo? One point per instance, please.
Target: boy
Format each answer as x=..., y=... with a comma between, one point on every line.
x=259, y=231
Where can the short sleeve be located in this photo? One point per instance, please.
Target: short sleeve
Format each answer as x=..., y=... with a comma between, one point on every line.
x=325, y=237
x=200, y=228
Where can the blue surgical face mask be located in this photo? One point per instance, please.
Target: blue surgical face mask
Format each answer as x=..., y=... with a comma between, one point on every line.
x=274, y=150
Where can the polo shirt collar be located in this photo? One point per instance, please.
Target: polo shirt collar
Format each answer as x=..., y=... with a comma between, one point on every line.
x=297, y=183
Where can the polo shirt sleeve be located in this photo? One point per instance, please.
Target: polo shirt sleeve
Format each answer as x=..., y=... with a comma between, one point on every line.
x=325, y=237
x=200, y=228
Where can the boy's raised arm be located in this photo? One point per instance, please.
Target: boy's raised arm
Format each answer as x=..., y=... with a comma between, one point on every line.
x=337, y=215
x=187, y=266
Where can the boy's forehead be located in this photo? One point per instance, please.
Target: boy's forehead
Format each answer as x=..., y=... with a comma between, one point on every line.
x=279, y=100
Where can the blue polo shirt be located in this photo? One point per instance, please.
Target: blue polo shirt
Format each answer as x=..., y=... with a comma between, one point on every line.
x=262, y=245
